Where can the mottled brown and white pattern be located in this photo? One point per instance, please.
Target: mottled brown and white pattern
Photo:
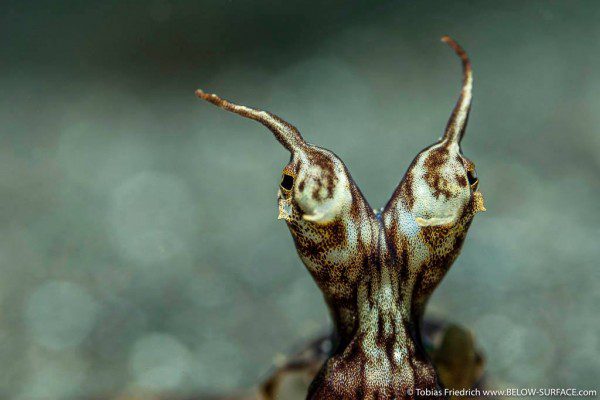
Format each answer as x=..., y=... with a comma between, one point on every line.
x=376, y=270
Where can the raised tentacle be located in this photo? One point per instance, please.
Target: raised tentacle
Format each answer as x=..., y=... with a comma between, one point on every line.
x=286, y=133
x=457, y=124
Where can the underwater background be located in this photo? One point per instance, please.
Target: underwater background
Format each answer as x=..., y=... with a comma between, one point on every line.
x=140, y=251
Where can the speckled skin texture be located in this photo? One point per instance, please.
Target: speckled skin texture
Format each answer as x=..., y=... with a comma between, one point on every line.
x=376, y=269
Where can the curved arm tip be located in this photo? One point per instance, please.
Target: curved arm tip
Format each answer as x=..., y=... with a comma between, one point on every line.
x=210, y=97
x=285, y=133
x=458, y=120
x=458, y=50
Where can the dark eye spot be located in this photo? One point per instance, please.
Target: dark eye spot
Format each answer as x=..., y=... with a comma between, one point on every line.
x=472, y=177
x=287, y=182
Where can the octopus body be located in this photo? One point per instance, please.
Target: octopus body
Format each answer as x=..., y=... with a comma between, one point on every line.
x=376, y=269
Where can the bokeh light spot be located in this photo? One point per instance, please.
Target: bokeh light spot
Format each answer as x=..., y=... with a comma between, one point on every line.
x=159, y=362
x=60, y=314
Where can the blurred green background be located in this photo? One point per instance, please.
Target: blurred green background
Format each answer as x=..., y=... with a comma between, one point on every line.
x=140, y=249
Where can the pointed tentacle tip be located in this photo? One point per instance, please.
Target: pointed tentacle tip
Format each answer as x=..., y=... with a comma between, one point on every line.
x=456, y=47
x=210, y=97
x=200, y=93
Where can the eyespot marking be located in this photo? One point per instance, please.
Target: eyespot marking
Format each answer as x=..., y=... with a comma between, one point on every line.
x=287, y=182
x=472, y=177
